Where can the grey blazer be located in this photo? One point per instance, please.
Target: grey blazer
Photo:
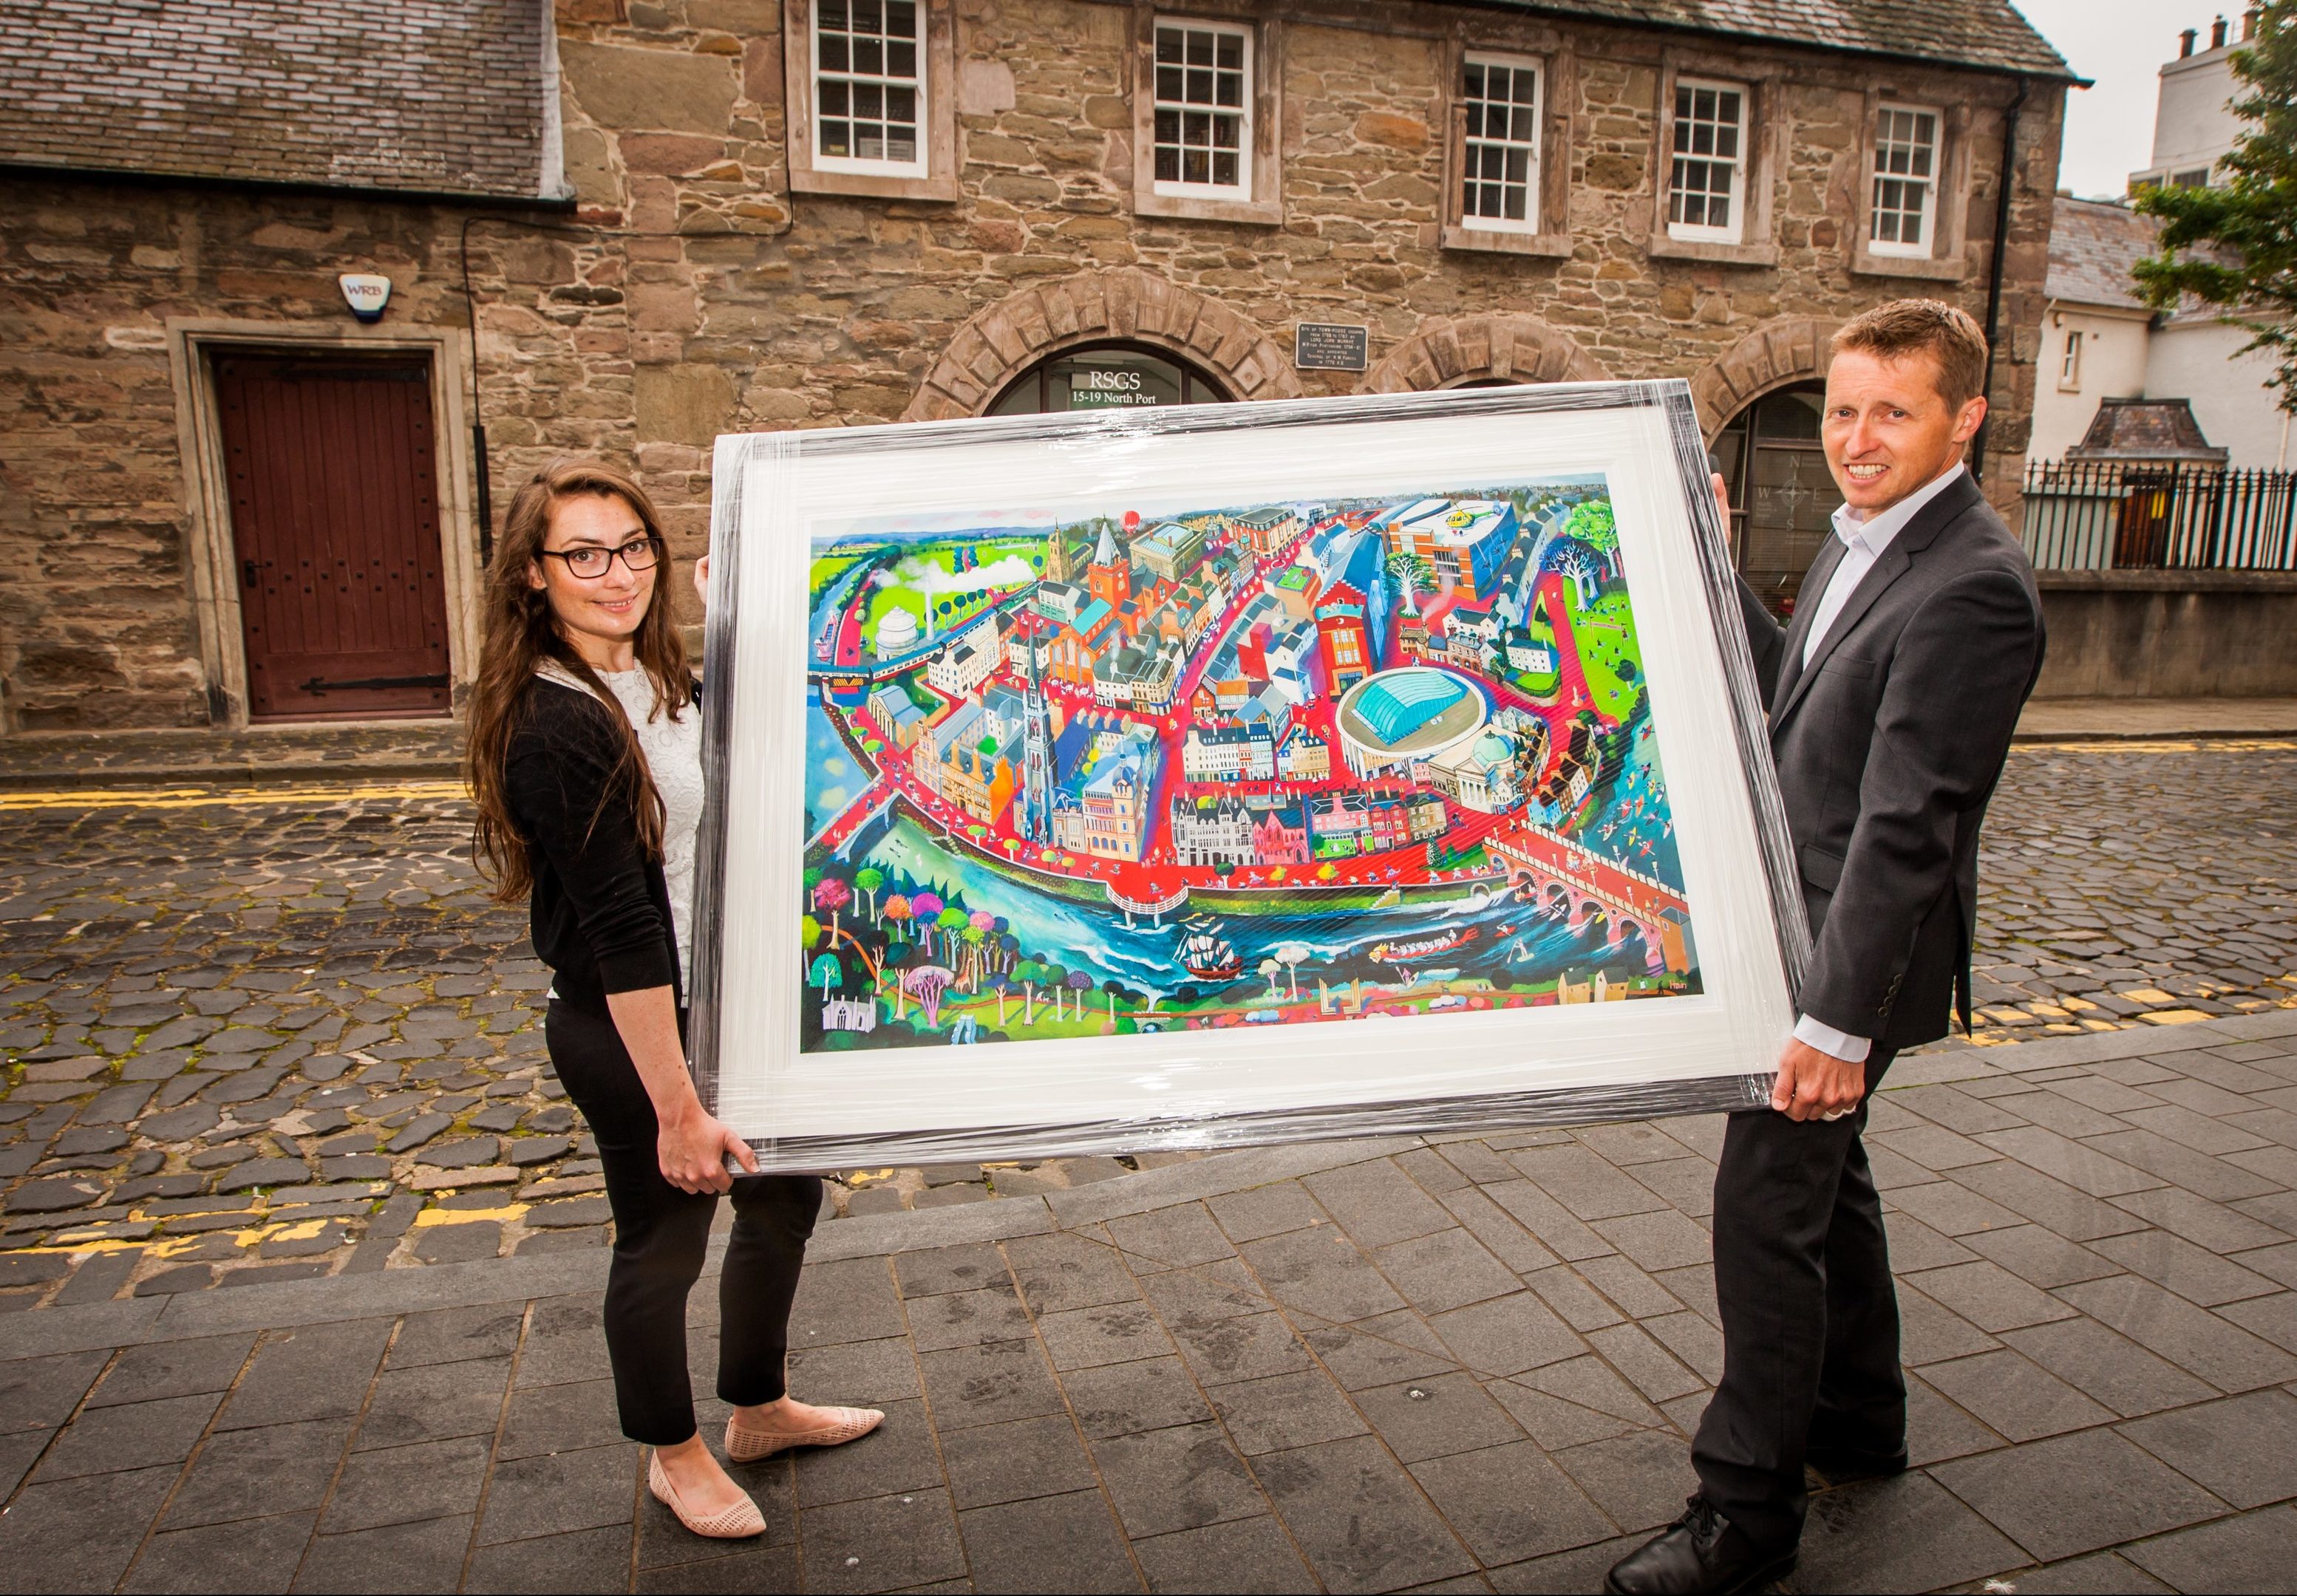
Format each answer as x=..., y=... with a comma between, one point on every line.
x=1889, y=745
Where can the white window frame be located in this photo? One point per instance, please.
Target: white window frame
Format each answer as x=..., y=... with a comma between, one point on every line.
x=921, y=166
x=1529, y=222
x=2069, y=360
x=1699, y=231
x=1924, y=248
x=1242, y=190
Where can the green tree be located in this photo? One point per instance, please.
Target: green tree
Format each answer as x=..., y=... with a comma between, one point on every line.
x=869, y=879
x=825, y=973
x=1594, y=525
x=2235, y=247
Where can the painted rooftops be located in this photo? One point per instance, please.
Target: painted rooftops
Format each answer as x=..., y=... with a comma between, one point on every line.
x=427, y=96
x=1168, y=535
x=1397, y=704
x=1446, y=523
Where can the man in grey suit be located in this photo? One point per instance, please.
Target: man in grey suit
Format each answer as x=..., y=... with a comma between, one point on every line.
x=1892, y=696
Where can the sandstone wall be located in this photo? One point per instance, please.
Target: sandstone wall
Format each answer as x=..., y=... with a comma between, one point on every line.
x=689, y=294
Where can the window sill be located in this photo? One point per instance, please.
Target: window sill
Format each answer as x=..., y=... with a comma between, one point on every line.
x=1554, y=246
x=1869, y=265
x=1251, y=213
x=871, y=185
x=1664, y=247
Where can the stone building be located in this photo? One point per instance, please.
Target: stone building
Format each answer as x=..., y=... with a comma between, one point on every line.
x=626, y=225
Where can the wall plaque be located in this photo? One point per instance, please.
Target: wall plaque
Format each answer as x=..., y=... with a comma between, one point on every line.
x=1330, y=346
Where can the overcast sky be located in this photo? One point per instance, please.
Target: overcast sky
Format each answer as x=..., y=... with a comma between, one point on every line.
x=2121, y=44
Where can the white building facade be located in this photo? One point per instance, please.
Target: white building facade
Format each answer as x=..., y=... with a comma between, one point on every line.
x=2099, y=340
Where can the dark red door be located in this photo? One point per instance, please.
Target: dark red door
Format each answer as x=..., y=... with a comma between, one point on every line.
x=334, y=517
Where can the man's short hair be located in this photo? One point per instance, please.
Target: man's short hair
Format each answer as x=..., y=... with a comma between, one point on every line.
x=1903, y=327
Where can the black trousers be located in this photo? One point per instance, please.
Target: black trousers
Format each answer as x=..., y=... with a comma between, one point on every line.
x=661, y=1234
x=1810, y=1316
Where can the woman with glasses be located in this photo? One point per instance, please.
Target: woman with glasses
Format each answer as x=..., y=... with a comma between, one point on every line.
x=585, y=761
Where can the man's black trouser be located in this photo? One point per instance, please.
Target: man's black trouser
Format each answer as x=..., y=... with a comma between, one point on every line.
x=661, y=1234
x=1810, y=1317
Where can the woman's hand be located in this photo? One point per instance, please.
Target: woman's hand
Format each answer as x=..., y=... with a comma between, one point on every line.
x=692, y=1148
x=691, y=1144
x=702, y=579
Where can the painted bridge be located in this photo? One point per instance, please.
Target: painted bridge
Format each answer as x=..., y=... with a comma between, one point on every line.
x=1558, y=873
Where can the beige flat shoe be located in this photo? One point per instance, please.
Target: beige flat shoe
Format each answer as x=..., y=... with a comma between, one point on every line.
x=740, y=1522
x=850, y=1424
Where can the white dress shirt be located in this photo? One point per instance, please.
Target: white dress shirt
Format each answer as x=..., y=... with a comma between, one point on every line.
x=1864, y=538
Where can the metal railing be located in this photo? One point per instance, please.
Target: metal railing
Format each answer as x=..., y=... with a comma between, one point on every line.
x=2108, y=515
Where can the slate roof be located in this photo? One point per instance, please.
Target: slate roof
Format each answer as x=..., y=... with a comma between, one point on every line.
x=1978, y=33
x=2093, y=246
x=2140, y=429
x=436, y=96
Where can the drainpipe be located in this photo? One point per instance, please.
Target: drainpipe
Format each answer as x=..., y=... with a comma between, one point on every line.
x=2004, y=184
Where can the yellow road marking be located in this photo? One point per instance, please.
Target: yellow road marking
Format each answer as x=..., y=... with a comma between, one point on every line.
x=227, y=797
x=464, y=1216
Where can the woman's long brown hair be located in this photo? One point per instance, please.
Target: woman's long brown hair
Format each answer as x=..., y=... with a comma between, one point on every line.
x=520, y=633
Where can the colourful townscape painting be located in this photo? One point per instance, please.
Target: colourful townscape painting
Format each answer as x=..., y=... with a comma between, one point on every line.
x=1266, y=764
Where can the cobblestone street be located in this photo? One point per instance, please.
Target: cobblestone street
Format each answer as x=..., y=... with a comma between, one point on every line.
x=261, y=1039
x=278, y=1036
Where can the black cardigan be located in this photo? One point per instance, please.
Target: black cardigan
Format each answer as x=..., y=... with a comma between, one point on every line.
x=600, y=909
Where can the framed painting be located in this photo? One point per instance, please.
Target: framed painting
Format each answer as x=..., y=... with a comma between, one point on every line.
x=1231, y=774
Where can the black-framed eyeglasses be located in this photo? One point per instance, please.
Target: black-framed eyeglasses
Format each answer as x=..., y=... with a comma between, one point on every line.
x=591, y=562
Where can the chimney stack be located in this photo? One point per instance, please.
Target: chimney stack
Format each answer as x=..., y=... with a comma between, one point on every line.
x=2185, y=39
x=2218, y=34
x=2250, y=19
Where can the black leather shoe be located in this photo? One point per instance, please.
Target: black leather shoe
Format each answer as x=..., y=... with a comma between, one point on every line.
x=1701, y=1554
x=1843, y=1466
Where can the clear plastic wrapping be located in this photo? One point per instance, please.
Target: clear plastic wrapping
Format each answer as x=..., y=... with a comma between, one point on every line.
x=1209, y=776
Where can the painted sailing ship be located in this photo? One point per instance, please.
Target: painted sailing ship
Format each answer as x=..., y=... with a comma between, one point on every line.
x=1209, y=957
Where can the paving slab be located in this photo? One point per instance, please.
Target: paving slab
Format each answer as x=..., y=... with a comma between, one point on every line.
x=1468, y=1360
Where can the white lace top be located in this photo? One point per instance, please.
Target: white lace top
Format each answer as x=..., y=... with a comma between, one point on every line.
x=672, y=746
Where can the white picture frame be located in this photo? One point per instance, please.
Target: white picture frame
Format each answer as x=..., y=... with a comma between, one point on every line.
x=939, y=516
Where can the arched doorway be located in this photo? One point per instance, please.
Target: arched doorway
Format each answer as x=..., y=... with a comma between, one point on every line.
x=1124, y=306
x=1783, y=497
x=1113, y=375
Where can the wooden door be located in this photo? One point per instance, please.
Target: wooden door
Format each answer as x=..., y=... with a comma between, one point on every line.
x=334, y=517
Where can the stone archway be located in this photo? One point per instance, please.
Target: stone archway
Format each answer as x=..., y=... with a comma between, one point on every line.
x=1519, y=348
x=1004, y=340
x=1792, y=350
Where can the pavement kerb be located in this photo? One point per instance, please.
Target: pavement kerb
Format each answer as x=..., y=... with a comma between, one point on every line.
x=99, y=1325
x=233, y=773
x=2268, y=728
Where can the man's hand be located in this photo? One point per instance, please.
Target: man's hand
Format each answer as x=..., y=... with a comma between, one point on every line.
x=692, y=1148
x=1721, y=504
x=1815, y=1085
x=702, y=579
